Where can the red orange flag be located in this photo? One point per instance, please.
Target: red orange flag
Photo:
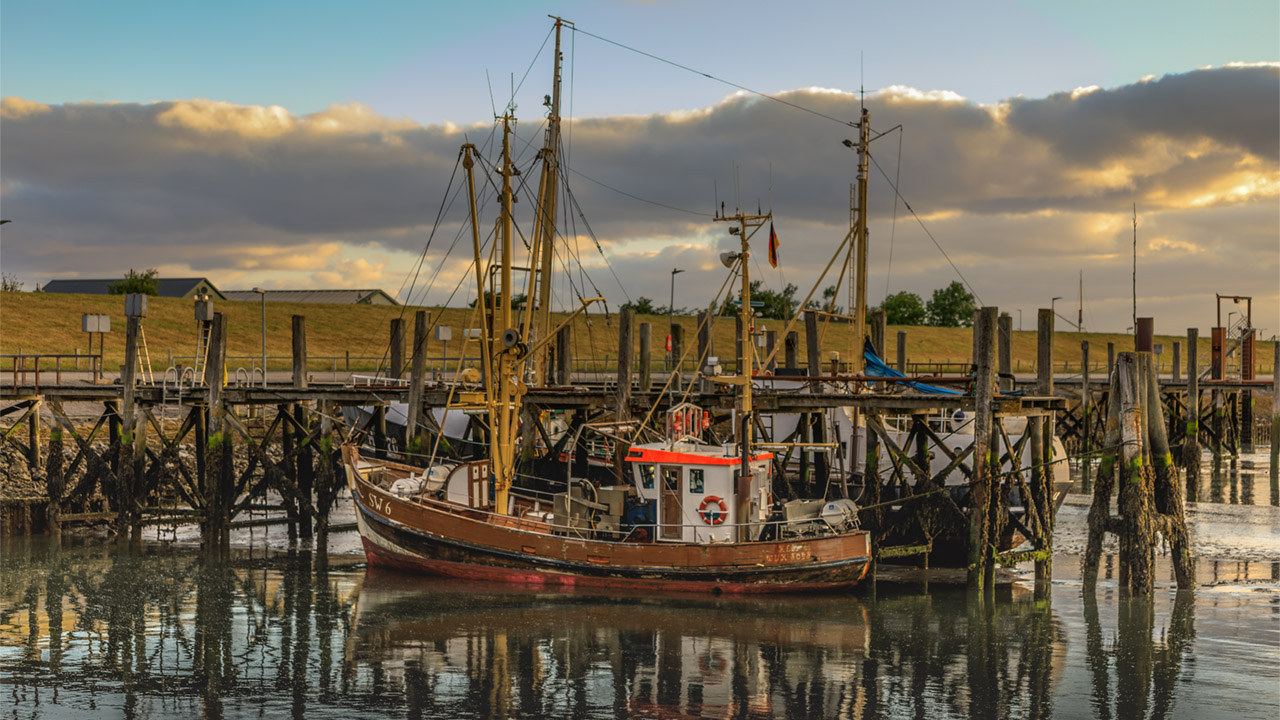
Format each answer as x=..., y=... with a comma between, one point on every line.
x=773, y=246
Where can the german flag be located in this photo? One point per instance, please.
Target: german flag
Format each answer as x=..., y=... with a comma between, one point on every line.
x=773, y=246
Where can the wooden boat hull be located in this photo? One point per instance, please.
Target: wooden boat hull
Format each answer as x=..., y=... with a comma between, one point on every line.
x=427, y=537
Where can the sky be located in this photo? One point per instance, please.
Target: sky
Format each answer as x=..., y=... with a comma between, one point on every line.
x=315, y=144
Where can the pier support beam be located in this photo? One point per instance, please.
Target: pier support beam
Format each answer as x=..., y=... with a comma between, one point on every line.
x=980, y=486
x=626, y=346
x=1275, y=425
x=1042, y=429
x=216, y=527
x=1086, y=417
x=564, y=357
x=395, y=369
x=1004, y=350
x=1191, y=442
x=1150, y=501
x=414, y=433
x=646, y=357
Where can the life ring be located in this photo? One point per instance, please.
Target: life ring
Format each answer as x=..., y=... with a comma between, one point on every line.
x=713, y=516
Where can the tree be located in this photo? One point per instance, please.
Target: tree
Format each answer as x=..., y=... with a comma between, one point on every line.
x=904, y=308
x=136, y=283
x=769, y=304
x=518, y=300
x=10, y=283
x=642, y=306
x=951, y=306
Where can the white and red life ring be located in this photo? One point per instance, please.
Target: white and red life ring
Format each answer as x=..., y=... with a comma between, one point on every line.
x=712, y=516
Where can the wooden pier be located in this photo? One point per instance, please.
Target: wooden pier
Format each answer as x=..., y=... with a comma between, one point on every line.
x=212, y=452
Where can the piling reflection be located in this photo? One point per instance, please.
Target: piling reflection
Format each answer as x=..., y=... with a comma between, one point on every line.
x=1144, y=670
x=152, y=633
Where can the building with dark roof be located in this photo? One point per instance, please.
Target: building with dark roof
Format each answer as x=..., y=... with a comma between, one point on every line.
x=166, y=287
x=336, y=297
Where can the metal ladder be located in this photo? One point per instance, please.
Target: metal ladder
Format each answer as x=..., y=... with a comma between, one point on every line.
x=202, y=350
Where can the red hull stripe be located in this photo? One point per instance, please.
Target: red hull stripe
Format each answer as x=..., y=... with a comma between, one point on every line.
x=384, y=557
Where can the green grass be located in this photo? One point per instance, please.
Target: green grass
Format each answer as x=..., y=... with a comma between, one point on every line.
x=39, y=323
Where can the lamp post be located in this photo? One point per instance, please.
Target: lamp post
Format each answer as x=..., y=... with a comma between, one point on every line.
x=263, y=295
x=671, y=312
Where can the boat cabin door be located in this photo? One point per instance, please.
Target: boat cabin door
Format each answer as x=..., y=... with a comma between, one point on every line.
x=672, y=511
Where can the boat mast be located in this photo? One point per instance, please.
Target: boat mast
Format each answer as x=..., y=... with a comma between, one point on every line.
x=860, y=244
x=501, y=348
x=747, y=226
x=545, y=220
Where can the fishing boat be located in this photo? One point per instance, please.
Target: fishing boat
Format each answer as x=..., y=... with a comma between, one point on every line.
x=684, y=514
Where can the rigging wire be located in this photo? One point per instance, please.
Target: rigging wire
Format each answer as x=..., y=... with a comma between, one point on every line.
x=893, y=227
x=797, y=106
x=578, y=208
x=637, y=197
x=936, y=244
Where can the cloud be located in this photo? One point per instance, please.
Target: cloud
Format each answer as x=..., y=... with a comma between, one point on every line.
x=1021, y=194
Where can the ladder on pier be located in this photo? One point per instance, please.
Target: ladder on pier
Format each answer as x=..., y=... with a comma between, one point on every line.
x=202, y=351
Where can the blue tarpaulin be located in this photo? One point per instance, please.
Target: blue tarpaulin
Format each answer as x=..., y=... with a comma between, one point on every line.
x=876, y=367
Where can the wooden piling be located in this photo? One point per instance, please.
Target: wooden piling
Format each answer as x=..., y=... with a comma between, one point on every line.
x=902, y=351
x=1150, y=501
x=626, y=346
x=1111, y=358
x=1191, y=442
x=812, y=349
x=133, y=446
x=980, y=489
x=1042, y=429
x=646, y=358
x=770, y=345
x=677, y=352
x=414, y=432
x=325, y=486
x=1004, y=351
x=1275, y=425
x=289, y=468
x=215, y=529
x=1086, y=416
x=395, y=368
x=1170, y=519
x=878, y=327
x=705, y=319
x=564, y=357
x=55, y=481
x=790, y=345
x=1177, y=362
x=305, y=473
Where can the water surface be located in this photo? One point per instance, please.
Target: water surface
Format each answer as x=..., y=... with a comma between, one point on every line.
x=89, y=630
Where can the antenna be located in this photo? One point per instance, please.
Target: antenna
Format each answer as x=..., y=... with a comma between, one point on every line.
x=1135, y=267
x=492, y=105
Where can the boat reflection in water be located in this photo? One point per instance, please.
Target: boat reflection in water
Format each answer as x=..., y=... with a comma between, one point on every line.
x=159, y=632
x=568, y=654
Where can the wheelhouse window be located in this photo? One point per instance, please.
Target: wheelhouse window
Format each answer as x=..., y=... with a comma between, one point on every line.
x=646, y=476
x=696, y=481
x=671, y=479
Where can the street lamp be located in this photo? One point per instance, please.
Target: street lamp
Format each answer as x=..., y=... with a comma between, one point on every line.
x=671, y=311
x=263, y=294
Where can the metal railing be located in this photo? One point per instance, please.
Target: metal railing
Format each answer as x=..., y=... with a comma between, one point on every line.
x=20, y=370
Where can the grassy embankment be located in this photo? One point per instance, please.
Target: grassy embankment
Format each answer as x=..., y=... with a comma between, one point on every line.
x=50, y=324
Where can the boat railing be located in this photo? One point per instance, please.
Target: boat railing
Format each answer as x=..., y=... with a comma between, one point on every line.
x=798, y=528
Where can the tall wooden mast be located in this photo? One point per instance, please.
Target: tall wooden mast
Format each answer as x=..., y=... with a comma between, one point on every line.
x=545, y=220
x=860, y=245
x=746, y=227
